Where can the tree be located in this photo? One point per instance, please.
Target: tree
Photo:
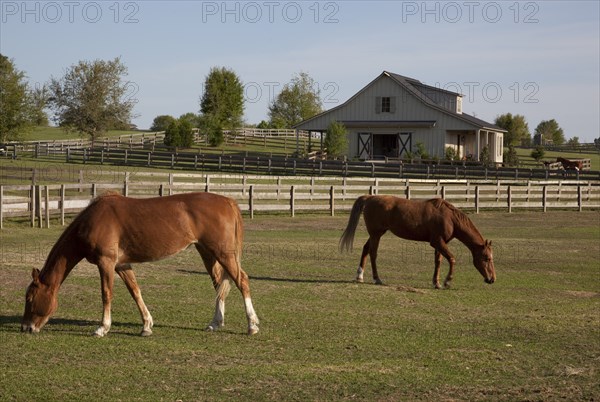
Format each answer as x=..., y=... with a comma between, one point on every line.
x=162, y=122
x=92, y=97
x=538, y=153
x=179, y=133
x=336, y=140
x=516, y=127
x=510, y=156
x=222, y=103
x=18, y=112
x=192, y=118
x=574, y=141
x=550, y=130
x=297, y=101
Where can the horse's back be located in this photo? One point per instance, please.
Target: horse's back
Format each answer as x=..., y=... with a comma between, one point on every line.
x=409, y=219
x=152, y=228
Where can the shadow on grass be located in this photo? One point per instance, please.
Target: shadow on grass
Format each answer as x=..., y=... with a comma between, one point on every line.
x=86, y=328
x=274, y=279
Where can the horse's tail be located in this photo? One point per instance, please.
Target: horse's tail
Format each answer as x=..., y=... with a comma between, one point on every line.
x=347, y=239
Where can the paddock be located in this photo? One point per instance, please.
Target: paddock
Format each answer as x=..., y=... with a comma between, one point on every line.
x=532, y=335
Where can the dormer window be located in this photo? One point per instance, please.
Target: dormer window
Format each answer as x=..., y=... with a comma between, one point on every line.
x=385, y=104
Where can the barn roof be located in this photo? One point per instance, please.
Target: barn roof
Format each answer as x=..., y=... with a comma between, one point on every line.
x=421, y=91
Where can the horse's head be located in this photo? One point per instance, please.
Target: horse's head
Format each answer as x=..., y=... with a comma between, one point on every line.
x=483, y=259
x=40, y=303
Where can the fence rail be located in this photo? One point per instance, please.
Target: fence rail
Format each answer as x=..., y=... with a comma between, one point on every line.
x=44, y=203
x=241, y=163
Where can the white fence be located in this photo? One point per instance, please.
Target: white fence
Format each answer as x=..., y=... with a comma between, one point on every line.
x=255, y=194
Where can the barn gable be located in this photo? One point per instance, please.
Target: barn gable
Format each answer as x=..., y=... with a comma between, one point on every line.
x=393, y=113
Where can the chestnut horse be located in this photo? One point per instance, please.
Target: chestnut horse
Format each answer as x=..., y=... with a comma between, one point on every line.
x=570, y=164
x=435, y=221
x=114, y=232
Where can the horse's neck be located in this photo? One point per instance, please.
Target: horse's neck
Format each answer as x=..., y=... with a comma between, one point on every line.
x=59, y=264
x=467, y=233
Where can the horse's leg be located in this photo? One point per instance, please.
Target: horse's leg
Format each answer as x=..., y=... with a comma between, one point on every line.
x=436, y=271
x=442, y=248
x=128, y=276
x=234, y=270
x=373, y=246
x=220, y=283
x=107, y=278
x=363, y=261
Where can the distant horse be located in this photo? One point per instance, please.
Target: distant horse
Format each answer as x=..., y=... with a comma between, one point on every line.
x=570, y=164
x=115, y=231
x=435, y=221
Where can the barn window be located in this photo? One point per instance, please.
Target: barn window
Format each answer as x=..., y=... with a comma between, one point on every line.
x=386, y=104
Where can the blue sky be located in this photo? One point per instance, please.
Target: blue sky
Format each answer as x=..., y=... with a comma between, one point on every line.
x=540, y=59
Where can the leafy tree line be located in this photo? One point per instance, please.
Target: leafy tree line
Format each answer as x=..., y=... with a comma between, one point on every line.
x=547, y=131
x=92, y=97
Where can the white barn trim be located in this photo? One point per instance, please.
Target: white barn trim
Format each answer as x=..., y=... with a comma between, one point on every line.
x=393, y=113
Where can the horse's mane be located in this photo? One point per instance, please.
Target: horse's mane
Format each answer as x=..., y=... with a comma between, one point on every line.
x=457, y=214
x=70, y=233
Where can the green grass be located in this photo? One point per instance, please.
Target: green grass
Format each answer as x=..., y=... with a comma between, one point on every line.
x=525, y=157
x=57, y=133
x=533, y=335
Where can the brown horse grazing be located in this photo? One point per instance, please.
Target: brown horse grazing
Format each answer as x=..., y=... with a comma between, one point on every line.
x=435, y=221
x=114, y=232
x=570, y=164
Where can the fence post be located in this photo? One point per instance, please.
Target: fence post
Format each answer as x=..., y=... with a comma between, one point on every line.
x=443, y=192
x=408, y=192
x=278, y=186
x=544, y=197
x=38, y=196
x=1, y=205
x=251, y=201
x=149, y=158
x=161, y=190
x=207, y=184
x=476, y=199
x=292, y=201
x=372, y=169
x=125, y=190
x=509, y=199
x=47, y=205
x=32, y=204
x=579, y=197
x=63, y=191
x=332, y=201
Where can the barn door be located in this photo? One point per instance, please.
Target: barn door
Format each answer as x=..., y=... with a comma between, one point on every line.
x=404, y=143
x=364, y=145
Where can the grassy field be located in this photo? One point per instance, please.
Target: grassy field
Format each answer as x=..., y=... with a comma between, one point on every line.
x=525, y=157
x=533, y=335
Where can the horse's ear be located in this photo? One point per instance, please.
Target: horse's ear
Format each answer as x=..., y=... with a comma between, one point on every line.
x=35, y=275
x=488, y=243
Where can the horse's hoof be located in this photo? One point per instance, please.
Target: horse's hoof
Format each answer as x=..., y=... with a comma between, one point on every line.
x=437, y=286
x=378, y=282
x=360, y=280
x=447, y=285
x=252, y=330
x=146, y=332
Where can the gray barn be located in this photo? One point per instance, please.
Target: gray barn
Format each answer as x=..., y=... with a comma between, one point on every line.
x=393, y=113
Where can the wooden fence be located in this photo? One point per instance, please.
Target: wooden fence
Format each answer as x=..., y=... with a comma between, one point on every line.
x=248, y=164
x=44, y=203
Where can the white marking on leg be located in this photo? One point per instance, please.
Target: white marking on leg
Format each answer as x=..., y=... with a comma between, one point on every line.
x=219, y=318
x=252, y=317
x=359, y=274
x=106, y=323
